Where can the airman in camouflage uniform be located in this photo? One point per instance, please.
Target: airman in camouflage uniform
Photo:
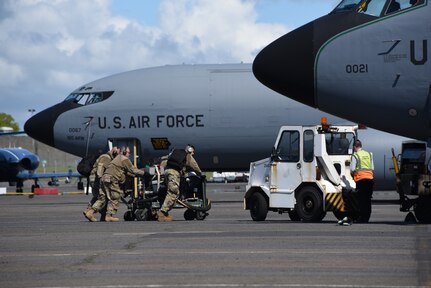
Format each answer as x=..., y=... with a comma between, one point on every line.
x=112, y=180
x=99, y=197
x=178, y=162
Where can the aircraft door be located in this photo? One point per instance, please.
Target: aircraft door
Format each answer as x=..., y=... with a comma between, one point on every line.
x=135, y=156
x=286, y=166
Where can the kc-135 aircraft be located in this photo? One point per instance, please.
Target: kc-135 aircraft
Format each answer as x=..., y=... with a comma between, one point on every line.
x=366, y=61
x=221, y=109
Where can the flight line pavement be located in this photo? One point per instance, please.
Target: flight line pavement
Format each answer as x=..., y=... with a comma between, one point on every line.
x=46, y=242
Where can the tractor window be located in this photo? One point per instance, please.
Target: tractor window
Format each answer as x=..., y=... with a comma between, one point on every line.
x=414, y=154
x=308, y=146
x=339, y=143
x=288, y=147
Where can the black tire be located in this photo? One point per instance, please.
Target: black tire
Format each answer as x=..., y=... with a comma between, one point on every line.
x=34, y=187
x=201, y=215
x=189, y=214
x=258, y=207
x=141, y=214
x=128, y=216
x=309, y=203
x=422, y=210
x=293, y=215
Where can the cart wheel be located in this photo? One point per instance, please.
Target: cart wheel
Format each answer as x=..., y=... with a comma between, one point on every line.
x=128, y=216
x=189, y=214
x=141, y=214
x=152, y=214
x=201, y=215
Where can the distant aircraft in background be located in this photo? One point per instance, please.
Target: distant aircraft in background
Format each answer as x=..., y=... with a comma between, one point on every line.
x=18, y=165
x=221, y=109
x=366, y=61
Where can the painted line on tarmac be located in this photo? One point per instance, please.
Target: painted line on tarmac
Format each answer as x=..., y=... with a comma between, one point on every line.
x=33, y=194
x=201, y=252
x=166, y=233
x=237, y=285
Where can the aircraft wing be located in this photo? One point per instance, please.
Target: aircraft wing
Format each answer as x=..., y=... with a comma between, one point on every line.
x=29, y=175
x=12, y=133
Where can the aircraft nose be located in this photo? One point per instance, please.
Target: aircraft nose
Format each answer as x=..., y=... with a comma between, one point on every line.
x=41, y=126
x=287, y=65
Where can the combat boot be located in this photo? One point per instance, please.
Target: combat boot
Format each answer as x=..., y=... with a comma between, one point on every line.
x=109, y=218
x=164, y=217
x=86, y=210
x=89, y=214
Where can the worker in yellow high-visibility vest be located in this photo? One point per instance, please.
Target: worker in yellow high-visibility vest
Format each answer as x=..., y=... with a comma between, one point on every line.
x=362, y=167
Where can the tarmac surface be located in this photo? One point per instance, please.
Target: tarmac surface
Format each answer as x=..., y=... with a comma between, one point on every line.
x=45, y=241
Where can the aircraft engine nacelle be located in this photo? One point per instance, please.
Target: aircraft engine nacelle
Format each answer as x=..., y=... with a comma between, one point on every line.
x=30, y=162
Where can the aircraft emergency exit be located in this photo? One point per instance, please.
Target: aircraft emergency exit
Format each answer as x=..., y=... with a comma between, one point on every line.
x=366, y=61
x=221, y=109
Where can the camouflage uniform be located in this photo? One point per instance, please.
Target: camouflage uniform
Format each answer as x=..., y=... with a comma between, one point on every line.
x=173, y=177
x=98, y=201
x=114, y=177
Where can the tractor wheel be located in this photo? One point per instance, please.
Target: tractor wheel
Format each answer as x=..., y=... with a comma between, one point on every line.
x=258, y=207
x=310, y=204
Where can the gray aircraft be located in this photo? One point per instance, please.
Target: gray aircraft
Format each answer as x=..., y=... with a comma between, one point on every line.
x=221, y=109
x=366, y=61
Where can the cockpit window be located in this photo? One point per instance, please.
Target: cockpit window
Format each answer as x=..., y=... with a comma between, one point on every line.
x=88, y=98
x=372, y=7
x=397, y=5
x=347, y=5
x=376, y=8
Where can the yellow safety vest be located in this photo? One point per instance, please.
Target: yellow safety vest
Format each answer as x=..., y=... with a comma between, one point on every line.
x=363, y=169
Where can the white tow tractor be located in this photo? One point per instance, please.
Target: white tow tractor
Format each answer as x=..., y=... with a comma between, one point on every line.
x=307, y=174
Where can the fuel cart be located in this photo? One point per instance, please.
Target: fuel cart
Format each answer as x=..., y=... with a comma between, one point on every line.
x=144, y=202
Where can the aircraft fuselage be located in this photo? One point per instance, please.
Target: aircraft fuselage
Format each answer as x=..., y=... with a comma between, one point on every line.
x=366, y=61
x=222, y=110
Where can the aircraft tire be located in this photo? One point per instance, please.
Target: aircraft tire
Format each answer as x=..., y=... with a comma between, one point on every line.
x=34, y=187
x=258, y=207
x=310, y=204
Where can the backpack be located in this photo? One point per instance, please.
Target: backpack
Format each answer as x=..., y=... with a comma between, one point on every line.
x=177, y=159
x=86, y=164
